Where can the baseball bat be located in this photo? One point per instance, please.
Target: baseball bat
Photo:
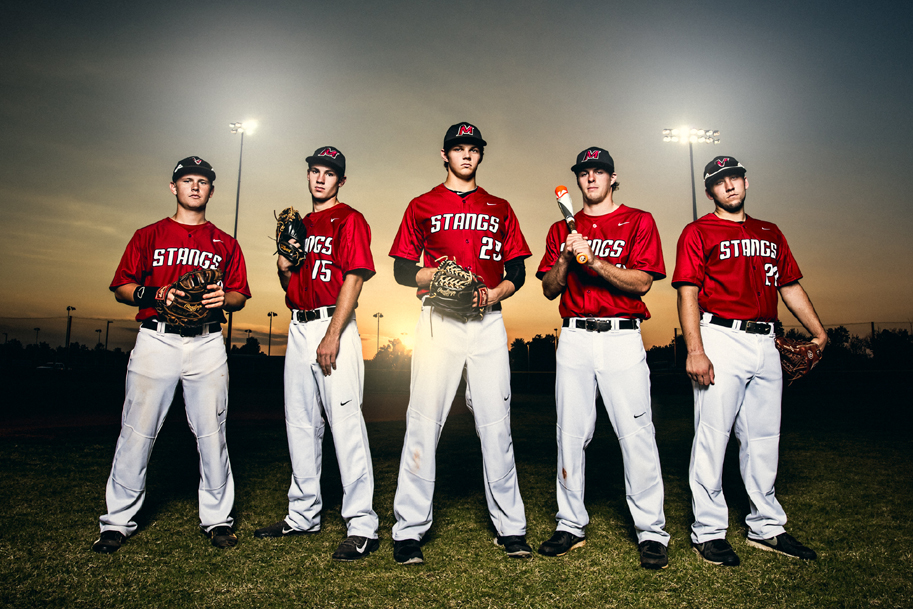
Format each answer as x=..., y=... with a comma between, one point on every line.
x=565, y=204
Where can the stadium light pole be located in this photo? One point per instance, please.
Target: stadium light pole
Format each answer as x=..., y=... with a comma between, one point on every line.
x=379, y=316
x=241, y=128
x=269, y=343
x=98, y=331
x=69, y=325
x=107, y=329
x=692, y=137
x=37, y=330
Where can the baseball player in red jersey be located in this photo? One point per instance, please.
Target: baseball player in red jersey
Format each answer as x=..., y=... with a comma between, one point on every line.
x=601, y=347
x=324, y=369
x=459, y=220
x=729, y=270
x=156, y=256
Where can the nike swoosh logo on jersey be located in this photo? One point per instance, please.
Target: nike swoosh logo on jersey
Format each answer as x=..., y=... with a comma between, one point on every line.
x=762, y=228
x=217, y=241
x=623, y=223
x=333, y=219
x=491, y=204
x=363, y=547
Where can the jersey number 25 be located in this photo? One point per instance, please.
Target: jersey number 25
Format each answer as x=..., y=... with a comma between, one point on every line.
x=489, y=244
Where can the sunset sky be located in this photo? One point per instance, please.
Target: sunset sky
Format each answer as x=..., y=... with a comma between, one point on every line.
x=100, y=99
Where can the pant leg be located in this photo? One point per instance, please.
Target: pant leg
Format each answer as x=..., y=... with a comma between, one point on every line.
x=757, y=427
x=152, y=375
x=715, y=409
x=488, y=384
x=437, y=364
x=624, y=381
x=341, y=395
x=575, y=399
x=305, y=428
x=205, y=380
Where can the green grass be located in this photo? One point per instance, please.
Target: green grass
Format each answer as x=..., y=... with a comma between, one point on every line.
x=845, y=481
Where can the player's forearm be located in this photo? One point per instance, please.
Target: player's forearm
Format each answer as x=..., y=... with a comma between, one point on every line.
x=423, y=276
x=632, y=281
x=800, y=305
x=554, y=281
x=502, y=291
x=125, y=292
x=689, y=317
x=234, y=301
x=345, y=302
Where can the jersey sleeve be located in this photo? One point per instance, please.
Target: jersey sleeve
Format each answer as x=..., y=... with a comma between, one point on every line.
x=553, y=242
x=515, y=245
x=235, y=272
x=355, y=245
x=689, y=258
x=130, y=270
x=647, y=252
x=787, y=266
x=409, y=239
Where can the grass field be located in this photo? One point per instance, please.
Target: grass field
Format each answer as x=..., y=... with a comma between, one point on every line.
x=845, y=481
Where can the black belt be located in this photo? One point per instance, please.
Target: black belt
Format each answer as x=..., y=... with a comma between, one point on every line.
x=314, y=314
x=151, y=324
x=599, y=325
x=495, y=307
x=749, y=327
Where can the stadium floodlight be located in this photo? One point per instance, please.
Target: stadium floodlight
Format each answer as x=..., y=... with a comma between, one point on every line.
x=692, y=136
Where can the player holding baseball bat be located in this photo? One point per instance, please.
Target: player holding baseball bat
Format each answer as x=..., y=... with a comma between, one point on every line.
x=601, y=276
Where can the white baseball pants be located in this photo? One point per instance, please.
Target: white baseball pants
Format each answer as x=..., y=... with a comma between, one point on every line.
x=616, y=363
x=445, y=349
x=309, y=396
x=157, y=363
x=747, y=392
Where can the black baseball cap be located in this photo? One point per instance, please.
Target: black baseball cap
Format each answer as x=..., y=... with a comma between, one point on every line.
x=594, y=156
x=720, y=167
x=463, y=133
x=194, y=165
x=331, y=157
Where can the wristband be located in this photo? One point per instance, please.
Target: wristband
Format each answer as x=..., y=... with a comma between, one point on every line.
x=144, y=296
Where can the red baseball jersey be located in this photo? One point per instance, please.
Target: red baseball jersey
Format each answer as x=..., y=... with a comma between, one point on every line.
x=738, y=266
x=160, y=253
x=627, y=238
x=479, y=231
x=338, y=241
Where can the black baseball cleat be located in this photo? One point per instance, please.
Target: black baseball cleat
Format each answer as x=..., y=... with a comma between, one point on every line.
x=653, y=555
x=514, y=545
x=108, y=542
x=281, y=529
x=561, y=543
x=355, y=547
x=785, y=544
x=408, y=552
x=222, y=537
x=717, y=552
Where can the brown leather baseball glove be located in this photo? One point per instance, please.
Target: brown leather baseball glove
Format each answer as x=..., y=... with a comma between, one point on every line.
x=452, y=290
x=187, y=311
x=797, y=357
x=290, y=226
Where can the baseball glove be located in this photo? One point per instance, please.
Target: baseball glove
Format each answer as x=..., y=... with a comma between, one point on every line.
x=289, y=226
x=797, y=357
x=187, y=311
x=452, y=290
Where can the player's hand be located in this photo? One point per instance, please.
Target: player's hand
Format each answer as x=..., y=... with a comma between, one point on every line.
x=282, y=262
x=699, y=368
x=575, y=245
x=327, y=351
x=821, y=341
x=171, y=294
x=214, y=298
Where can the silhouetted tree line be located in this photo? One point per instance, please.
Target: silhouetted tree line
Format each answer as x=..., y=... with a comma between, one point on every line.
x=14, y=354
x=392, y=356
x=536, y=355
